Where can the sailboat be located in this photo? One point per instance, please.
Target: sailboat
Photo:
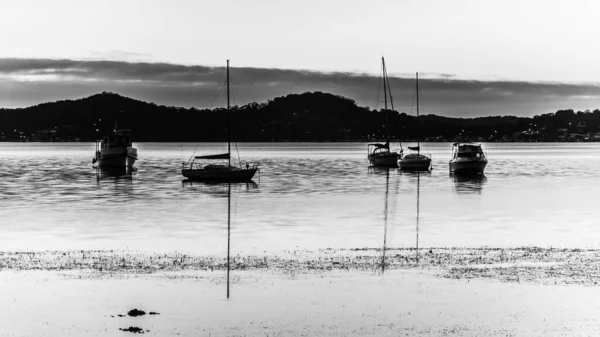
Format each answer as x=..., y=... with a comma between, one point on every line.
x=219, y=172
x=416, y=161
x=380, y=154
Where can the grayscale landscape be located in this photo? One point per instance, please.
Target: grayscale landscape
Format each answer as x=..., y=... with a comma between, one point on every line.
x=299, y=168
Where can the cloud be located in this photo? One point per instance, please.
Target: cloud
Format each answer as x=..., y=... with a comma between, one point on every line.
x=25, y=82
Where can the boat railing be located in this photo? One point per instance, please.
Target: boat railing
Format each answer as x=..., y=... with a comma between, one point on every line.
x=190, y=163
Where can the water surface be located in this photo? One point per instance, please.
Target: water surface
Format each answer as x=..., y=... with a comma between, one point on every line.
x=307, y=196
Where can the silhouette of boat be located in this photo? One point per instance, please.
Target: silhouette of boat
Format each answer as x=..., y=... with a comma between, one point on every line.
x=467, y=159
x=415, y=161
x=115, y=150
x=219, y=172
x=380, y=154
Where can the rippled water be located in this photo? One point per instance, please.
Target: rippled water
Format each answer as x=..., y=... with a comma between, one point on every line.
x=308, y=196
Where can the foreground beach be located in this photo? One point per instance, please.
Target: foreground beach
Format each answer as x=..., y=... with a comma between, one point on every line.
x=448, y=292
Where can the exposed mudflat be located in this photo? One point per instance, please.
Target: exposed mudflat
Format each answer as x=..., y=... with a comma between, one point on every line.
x=329, y=293
x=531, y=265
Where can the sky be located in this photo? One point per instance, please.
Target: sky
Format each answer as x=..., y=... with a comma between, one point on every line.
x=475, y=58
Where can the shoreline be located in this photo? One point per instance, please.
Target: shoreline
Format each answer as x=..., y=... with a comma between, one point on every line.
x=521, y=265
x=450, y=292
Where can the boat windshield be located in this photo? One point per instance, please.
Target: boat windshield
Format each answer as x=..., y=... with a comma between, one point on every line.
x=470, y=155
x=470, y=151
x=116, y=140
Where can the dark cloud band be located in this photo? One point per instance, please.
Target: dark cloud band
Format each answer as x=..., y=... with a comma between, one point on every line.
x=26, y=82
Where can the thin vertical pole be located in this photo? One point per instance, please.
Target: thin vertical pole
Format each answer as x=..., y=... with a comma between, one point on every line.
x=418, y=183
x=228, y=118
x=228, y=233
x=385, y=218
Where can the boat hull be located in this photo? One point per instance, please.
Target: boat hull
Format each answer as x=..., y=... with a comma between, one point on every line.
x=237, y=174
x=116, y=157
x=415, y=163
x=472, y=166
x=389, y=159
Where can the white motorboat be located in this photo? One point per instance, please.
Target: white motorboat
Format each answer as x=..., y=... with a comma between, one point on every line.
x=415, y=161
x=115, y=150
x=219, y=172
x=467, y=158
x=380, y=154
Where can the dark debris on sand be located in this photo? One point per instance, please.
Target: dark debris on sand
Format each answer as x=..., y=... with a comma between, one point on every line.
x=134, y=329
x=136, y=313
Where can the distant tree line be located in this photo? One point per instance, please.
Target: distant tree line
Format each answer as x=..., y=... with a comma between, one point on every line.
x=309, y=116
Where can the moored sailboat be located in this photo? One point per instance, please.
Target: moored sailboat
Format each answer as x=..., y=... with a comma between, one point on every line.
x=220, y=172
x=380, y=154
x=415, y=161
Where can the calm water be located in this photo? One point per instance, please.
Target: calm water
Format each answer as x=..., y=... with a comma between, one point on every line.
x=308, y=196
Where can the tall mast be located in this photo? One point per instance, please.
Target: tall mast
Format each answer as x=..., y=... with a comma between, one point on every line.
x=228, y=118
x=387, y=133
x=418, y=143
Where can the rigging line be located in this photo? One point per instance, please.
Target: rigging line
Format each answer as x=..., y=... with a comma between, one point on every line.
x=389, y=91
x=421, y=97
x=217, y=91
x=221, y=88
x=413, y=101
x=238, y=154
x=378, y=101
x=233, y=92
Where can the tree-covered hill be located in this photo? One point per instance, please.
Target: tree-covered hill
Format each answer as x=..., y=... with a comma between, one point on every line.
x=311, y=116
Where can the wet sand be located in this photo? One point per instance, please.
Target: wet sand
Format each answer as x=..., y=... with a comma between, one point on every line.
x=448, y=292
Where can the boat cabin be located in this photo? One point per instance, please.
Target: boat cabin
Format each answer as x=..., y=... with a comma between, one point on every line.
x=467, y=151
x=119, y=138
x=378, y=148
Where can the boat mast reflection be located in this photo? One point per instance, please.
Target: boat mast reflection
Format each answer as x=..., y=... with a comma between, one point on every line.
x=386, y=211
x=220, y=189
x=418, y=174
x=418, y=192
x=228, y=234
x=385, y=219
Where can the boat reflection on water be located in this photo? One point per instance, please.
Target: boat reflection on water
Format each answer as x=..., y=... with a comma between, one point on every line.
x=223, y=189
x=380, y=170
x=385, y=220
x=123, y=172
x=228, y=234
x=220, y=189
x=418, y=175
x=384, y=171
x=468, y=184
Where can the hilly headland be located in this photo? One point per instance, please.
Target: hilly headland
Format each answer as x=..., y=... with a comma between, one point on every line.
x=307, y=117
